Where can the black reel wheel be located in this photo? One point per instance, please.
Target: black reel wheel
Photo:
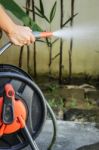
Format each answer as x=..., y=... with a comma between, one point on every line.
x=34, y=100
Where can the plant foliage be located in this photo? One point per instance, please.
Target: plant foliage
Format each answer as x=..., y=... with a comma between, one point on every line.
x=53, y=11
x=15, y=9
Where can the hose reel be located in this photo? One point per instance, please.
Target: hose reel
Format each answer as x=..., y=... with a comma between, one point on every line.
x=28, y=100
x=23, y=108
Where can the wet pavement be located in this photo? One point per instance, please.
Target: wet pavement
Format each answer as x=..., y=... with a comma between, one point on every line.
x=70, y=136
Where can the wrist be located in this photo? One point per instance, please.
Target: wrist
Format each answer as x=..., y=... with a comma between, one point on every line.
x=10, y=28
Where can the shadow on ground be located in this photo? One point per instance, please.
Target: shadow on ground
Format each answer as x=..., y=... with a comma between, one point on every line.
x=90, y=147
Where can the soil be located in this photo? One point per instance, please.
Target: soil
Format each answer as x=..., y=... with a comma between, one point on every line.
x=78, y=101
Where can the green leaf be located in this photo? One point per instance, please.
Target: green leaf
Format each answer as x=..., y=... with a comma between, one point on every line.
x=41, y=7
x=53, y=11
x=67, y=21
x=16, y=10
x=46, y=19
x=38, y=11
x=55, y=56
x=55, y=40
x=39, y=15
x=48, y=43
x=38, y=40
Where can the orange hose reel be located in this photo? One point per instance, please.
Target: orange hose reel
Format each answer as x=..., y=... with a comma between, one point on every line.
x=20, y=112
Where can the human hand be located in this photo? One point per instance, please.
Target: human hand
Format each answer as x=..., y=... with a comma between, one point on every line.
x=21, y=35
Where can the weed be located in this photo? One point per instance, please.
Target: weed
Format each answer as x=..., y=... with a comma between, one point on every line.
x=56, y=103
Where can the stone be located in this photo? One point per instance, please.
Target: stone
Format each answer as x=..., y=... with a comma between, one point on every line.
x=92, y=94
x=72, y=93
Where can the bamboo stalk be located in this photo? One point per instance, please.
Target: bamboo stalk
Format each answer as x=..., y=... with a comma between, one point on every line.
x=61, y=42
x=28, y=48
x=71, y=41
x=34, y=44
x=20, y=56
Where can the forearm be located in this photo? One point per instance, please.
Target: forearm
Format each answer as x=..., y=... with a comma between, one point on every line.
x=6, y=23
x=19, y=35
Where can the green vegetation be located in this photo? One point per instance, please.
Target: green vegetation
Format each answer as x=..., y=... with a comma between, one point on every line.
x=18, y=12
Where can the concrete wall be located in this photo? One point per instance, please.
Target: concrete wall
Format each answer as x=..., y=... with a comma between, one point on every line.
x=85, y=55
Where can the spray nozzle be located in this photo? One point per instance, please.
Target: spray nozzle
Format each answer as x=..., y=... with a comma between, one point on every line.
x=42, y=34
